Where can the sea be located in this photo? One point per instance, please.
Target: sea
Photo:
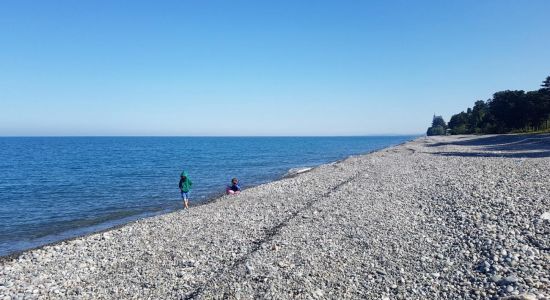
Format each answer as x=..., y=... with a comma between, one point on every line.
x=55, y=188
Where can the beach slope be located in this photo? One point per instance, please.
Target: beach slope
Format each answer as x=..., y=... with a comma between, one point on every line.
x=440, y=217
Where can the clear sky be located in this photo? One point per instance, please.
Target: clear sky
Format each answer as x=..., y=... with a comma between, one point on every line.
x=260, y=67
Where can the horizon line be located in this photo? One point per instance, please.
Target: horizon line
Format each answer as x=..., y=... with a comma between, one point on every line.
x=214, y=136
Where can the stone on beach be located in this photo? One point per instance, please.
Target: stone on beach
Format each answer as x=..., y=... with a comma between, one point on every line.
x=435, y=218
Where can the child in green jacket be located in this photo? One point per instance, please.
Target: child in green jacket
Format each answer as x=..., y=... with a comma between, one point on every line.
x=185, y=187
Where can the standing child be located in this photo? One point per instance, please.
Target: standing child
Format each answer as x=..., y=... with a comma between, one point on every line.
x=234, y=188
x=185, y=187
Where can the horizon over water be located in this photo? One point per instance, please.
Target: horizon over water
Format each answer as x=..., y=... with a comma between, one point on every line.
x=54, y=188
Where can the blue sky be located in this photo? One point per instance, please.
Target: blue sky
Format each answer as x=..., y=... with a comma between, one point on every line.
x=260, y=67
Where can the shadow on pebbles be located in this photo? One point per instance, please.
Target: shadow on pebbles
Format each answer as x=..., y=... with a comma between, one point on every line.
x=401, y=223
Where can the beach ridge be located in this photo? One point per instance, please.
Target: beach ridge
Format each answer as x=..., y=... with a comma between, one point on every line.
x=458, y=216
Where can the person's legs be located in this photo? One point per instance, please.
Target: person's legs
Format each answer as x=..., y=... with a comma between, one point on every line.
x=230, y=192
x=185, y=197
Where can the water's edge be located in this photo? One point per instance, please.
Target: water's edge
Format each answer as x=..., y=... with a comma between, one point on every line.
x=214, y=197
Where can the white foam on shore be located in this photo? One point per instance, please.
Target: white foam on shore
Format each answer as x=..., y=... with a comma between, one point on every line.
x=296, y=171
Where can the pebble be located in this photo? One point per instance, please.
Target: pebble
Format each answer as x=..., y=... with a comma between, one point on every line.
x=436, y=218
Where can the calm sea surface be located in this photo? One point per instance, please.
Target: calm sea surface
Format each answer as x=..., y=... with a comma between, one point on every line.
x=55, y=188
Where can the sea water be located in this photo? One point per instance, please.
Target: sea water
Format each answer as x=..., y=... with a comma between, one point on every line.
x=53, y=188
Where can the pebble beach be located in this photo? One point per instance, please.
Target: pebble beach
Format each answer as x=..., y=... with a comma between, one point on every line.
x=451, y=217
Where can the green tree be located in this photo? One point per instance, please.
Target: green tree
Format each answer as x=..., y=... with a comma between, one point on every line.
x=544, y=102
x=459, y=123
x=439, y=127
x=509, y=110
x=477, y=117
x=438, y=121
x=437, y=130
x=546, y=83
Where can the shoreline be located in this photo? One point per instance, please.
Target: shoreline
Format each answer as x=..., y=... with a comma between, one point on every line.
x=208, y=200
x=437, y=217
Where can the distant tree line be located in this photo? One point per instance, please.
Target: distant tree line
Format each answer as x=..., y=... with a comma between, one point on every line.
x=507, y=112
x=439, y=127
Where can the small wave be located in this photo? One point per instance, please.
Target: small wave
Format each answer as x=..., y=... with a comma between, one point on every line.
x=295, y=171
